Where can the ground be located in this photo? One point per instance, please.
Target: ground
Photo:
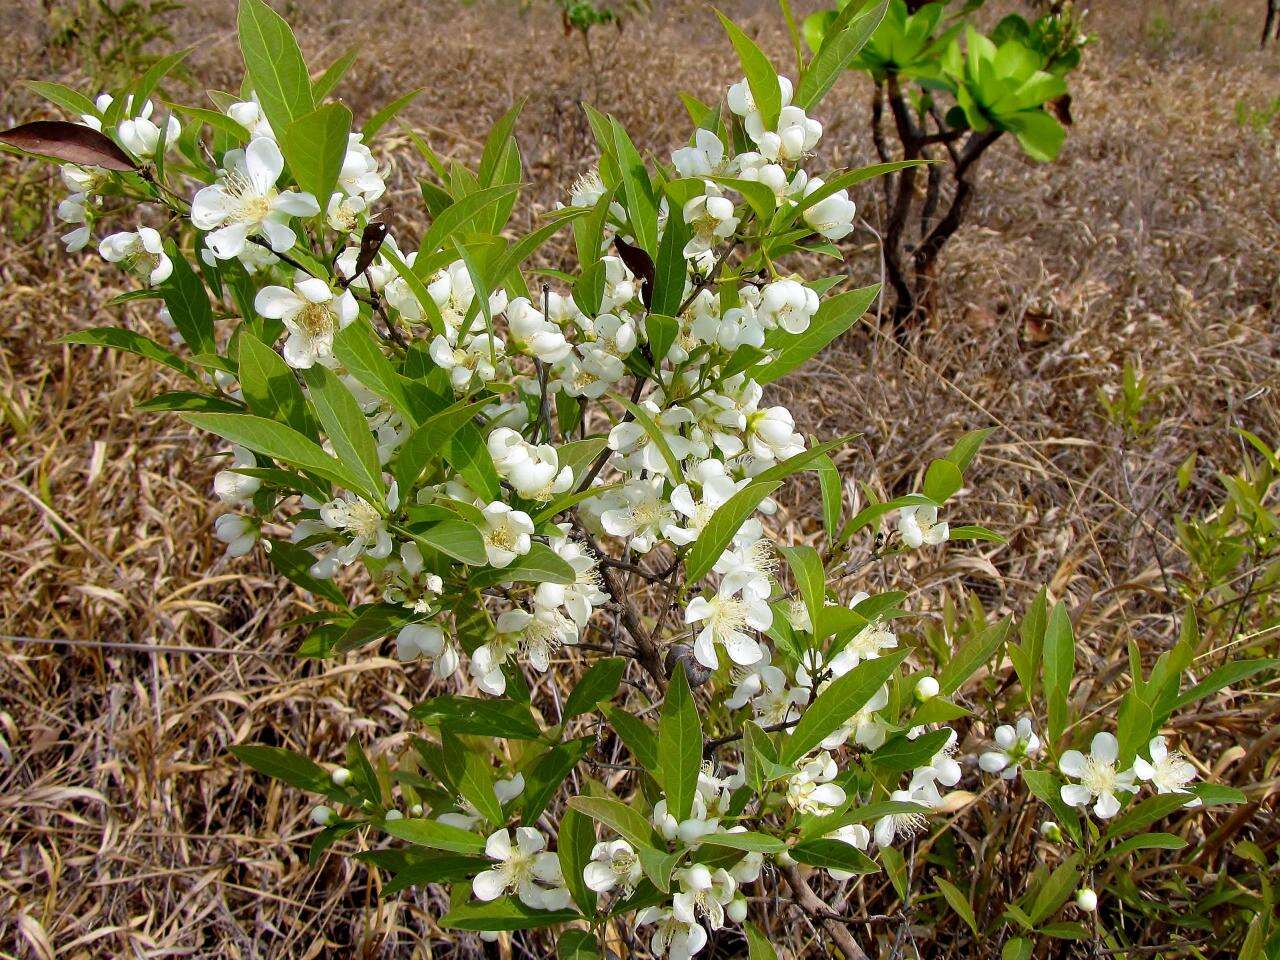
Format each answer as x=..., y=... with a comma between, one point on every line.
x=125, y=827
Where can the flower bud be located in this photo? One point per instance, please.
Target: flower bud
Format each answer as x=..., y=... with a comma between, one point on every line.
x=926, y=688
x=737, y=909
x=1086, y=900
x=340, y=777
x=416, y=810
x=1051, y=831
x=322, y=816
x=393, y=815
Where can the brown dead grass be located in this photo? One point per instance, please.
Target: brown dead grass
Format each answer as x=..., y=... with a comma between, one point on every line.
x=127, y=830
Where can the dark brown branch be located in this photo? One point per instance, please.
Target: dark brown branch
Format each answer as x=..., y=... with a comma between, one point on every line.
x=812, y=905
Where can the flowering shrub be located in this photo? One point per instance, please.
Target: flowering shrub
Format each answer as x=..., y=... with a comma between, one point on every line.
x=513, y=481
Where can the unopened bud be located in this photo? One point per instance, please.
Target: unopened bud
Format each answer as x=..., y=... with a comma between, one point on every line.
x=1051, y=831
x=322, y=816
x=341, y=776
x=416, y=810
x=926, y=688
x=393, y=815
x=1086, y=900
x=737, y=909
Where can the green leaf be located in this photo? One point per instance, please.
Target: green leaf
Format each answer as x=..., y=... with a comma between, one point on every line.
x=660, y=330
x=188, y=303
x=965, y=662
x=279, y=442
x=293, y=768
x=900, y=752
x=388, y=113
x=821, y=826
x=679, y=746
x=270, y=388
x=456, y=216
x=295, y=563
x=832, y=496
x=130, y=342
x=719, y=531
x=642, y=207
x=277, y=72
x=506, y=913
x=760, y=197
x=435, y=869
x=834, y=854
x=1134, y=722
x=811, y=579
x=454, y=538
x=1017, y=949
x=745, y=840
x=959, y=902
x=496, y=143
x=577, y=945
x=618, y=817
x=1048, y=788
x=315, y=145
x=842, y=41
x=1146, y=841
x=637, y=735
x=540, y=565
x=836, y=315
x=436, y=835
x=801, y=461
x=346, y=428
x=670, y=268
x=761, y=77
x=177, y=400
x=1225, y=676
x=471, y=775
x=425, y=443
x=574, y=843
x=941, y=481
x=545, y=776
x=838, y=702
x=373, y=622
x=758, y=946
x=72, y=101
x=966, y=448
x=1144, y=814
x=597, y=684
x=479, y=716
x=971, y=531
x=1059, y=667
x=1056, y=889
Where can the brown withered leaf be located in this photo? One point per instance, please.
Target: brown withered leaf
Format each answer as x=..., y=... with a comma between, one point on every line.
x=1061, y=108
x=371, y=240
x=639, y=263
x=72, y=142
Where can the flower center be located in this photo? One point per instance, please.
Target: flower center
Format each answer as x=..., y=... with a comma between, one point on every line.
x=501, y=537
x=249, y=206
x=1099, y=776
x=362, y=519
x=316, y=319
x=728, y=615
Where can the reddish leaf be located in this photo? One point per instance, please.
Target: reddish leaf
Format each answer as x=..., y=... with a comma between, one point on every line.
x=370, y=243
x=639, y=263
x=71, y=142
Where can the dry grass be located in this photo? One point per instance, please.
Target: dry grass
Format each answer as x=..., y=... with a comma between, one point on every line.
x=127, y=830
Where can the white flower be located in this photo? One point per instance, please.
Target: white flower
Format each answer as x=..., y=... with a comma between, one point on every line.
x=643, y=516
x=832, y=216
x=710, y=219
x=522, y=866
x=889, y=828
x=1168, y=772
x=533, y=472
x=673, y=937
x=724, y=620
x=234, y=488
x=1013, y=745
x=587, y=189
x=533, y=333
x=312, y=314
x=811, y=791
x=703, y=895
x=619, y=285
x=716, y=489
x=536, y=635
x=640, y=451
x=580, y=597
x=796, y=134
x=141, y=253
x=359, y=174
x=477, y=358
x=74, y=209
x=856, y=836
x=747, y=569
x=427, y=640
x=689, y=831
x=506, y=534
x=919, y=525
x=743, y=103
x=771, y=435
x=141, y=136
x=238, y=532
x=788, y=304
x=1086, y=900
x=613, y=864
x=364, y=523
x=705, y=158
x=466, y=819
x=343, y=213
x=249, y=114
x=942, y=768
x=1097, y=775
x=244, y=202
